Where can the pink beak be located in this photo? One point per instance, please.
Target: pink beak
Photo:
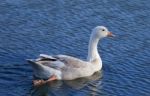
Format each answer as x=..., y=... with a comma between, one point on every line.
x=110, y=34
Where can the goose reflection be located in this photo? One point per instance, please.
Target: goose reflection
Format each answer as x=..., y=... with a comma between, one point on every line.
x=67, y=88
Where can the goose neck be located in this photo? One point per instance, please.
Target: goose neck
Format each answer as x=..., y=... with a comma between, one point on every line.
x=92, y=49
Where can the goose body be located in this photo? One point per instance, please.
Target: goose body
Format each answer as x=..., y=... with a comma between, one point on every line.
x=65, y=67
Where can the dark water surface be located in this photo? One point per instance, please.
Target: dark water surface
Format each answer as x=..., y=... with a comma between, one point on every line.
x=31, y=27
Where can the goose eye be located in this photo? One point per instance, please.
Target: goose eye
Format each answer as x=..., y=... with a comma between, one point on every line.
x=103, y=29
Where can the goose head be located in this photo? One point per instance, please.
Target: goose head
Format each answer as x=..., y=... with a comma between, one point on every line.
x=101, y=32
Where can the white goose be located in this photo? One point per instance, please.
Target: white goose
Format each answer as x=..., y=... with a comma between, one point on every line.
x=62, y=67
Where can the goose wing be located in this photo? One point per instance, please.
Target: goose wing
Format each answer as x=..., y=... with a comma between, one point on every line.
x=61, y=61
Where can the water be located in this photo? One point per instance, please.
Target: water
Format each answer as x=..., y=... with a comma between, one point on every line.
x=31, y=27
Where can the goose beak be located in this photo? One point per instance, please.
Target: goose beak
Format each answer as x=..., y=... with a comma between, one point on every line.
x=110, y=34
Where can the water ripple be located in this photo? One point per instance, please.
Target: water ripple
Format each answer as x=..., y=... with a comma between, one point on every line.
x=29, y=28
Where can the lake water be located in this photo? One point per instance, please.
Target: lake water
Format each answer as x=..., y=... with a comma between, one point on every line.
x=31, y=27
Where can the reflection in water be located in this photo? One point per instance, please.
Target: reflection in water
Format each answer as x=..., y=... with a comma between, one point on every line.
x=66, y=88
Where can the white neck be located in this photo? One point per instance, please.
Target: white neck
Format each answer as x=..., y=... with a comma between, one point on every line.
x=92, y=49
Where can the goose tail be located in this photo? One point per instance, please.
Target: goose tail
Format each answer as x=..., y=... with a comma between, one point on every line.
x=42, y=71
x=35, y=64
x=39, y=70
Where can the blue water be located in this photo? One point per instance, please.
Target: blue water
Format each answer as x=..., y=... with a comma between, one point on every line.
x=31, y=27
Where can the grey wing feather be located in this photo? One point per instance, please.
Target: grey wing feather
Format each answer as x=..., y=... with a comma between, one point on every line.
x=60, y=61
x=71, y=61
